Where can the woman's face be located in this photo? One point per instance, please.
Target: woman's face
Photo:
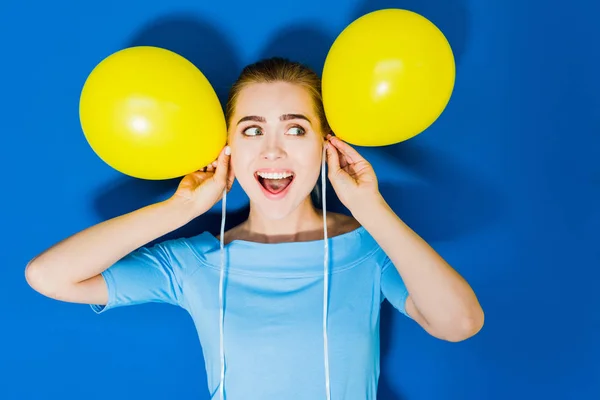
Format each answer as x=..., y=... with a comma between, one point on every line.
x=276, y=146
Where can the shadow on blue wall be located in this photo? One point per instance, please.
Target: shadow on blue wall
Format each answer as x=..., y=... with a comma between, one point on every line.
x=198, y=40
x=448, y=202
x=305, y=43
x=427, y=208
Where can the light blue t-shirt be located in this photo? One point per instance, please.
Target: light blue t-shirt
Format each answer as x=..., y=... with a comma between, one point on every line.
x=273, y=329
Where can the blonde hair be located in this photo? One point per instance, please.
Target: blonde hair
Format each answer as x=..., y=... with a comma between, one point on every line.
x=279, y=69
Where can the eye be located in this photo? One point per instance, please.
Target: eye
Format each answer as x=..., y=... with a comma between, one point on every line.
x=252, y=131
x=297, y=131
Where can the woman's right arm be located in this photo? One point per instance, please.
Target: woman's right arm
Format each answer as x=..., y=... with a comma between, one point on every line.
x=70, y=270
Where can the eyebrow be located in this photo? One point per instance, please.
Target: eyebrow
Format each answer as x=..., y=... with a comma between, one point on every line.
x=284, y=117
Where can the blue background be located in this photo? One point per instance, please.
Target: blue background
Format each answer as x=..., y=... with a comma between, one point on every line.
x=505, y=185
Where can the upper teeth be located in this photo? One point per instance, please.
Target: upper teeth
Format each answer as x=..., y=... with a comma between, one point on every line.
x=274, y=175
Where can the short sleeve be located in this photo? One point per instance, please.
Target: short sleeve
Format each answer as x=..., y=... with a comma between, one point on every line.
x=392, y=286
x=148, y=274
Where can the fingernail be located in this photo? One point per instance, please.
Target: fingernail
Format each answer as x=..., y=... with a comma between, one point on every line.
x=227, y=150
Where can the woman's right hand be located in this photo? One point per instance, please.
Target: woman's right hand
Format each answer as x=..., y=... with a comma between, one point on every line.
x=202, y=189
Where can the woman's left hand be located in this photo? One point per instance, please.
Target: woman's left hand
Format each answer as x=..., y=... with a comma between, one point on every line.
x=351, y=176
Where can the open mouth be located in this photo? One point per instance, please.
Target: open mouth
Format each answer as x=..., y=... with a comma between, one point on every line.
x=275, y=182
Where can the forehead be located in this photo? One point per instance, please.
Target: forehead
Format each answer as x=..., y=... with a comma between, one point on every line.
x=273, y=99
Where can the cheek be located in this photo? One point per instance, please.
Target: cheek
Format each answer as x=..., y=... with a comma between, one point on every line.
x=237, y=163
x=310, y=162
x=241, y=162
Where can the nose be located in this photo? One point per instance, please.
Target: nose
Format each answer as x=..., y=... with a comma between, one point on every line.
x=272, y=150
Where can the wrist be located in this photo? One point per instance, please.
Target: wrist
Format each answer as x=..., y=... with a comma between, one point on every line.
x=367, y=207
x=180, y=210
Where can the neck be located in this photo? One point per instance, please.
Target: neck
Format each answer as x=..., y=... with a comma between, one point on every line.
x=305, y=223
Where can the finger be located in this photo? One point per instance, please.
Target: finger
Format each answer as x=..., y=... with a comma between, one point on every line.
x=347, y=151
x=230, y=178
x=342, y=161
x=209, y=168
x=197, y=174
x=333, y=159
x=223, y=165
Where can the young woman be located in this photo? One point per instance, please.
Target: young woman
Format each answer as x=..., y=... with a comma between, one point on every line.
x=287, y=303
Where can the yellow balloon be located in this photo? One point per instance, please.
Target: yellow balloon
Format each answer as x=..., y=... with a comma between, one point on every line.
x=150, y=113
x=387, y=77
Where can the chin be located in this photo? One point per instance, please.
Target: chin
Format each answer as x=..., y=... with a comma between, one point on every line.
x=278, y=209
x=273, y=212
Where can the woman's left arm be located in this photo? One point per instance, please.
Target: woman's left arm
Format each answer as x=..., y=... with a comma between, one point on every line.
x=439, y=299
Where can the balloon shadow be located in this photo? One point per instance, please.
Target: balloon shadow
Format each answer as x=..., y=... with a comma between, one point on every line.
x=447, y=201
x=308, y=45
x=202, y=44
x=451, y=17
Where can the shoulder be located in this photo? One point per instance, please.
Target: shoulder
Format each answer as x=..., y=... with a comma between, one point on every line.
x=350, y=238
x=356, y=240
x=185, y=253
x=181, y=245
